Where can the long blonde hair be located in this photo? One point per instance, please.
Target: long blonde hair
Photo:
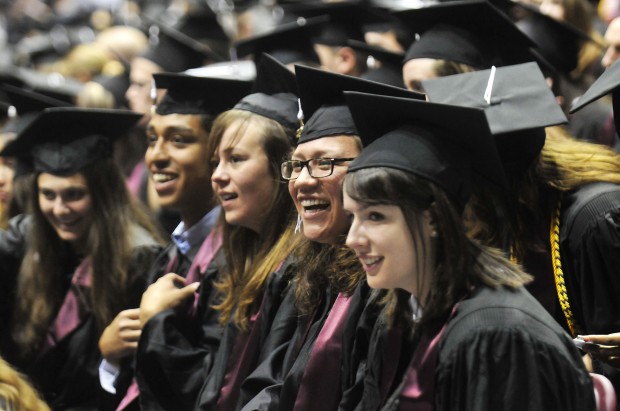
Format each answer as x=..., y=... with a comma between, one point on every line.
x=16, y=391
x=251, y=257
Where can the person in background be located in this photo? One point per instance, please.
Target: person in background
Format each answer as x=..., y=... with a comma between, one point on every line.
x=16, y=393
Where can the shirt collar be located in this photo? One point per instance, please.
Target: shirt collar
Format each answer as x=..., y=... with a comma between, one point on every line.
x=188, y=241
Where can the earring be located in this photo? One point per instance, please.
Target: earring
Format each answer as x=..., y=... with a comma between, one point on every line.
x=298, y=225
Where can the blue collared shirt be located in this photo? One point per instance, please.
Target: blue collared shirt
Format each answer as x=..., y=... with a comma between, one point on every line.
x=189, y=241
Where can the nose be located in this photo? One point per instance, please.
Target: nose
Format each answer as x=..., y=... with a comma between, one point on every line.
x=355, y=238
x=305, y=179
x=157, y=154
x=220, y=176
x=60, y=207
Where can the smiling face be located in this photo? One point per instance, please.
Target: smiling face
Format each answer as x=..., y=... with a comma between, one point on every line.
x=67, y=205
x=241, y=178
x=382, y=240
x=177, y=161
x=319, y=200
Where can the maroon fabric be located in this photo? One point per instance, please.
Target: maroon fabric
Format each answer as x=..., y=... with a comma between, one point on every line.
x=418, y=393
x=132, y=394
x=316, y=391
x=74, y=308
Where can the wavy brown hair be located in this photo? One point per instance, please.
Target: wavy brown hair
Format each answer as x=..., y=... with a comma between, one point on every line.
x=42, y=280
x=251, y=257
x=564, y=164
x=460, y=262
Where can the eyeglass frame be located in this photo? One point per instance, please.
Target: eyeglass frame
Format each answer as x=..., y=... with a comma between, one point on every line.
x=306, y=164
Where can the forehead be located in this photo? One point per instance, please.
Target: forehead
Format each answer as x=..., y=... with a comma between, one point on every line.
x=179, y=121
x=59, y=182
x=333, y=146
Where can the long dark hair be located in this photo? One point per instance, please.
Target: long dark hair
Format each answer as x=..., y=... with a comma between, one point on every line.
x=460, y=262
x=42, y=278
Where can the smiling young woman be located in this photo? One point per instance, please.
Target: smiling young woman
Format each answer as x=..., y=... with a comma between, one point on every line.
x=88, y=251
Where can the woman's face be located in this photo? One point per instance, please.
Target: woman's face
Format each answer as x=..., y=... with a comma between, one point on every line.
x=7, y=172
x=319, y=200
x=242, y=180
x=382, y=240
x=67, y=205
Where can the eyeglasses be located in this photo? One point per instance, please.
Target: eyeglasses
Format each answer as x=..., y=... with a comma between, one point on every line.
x=317, y=167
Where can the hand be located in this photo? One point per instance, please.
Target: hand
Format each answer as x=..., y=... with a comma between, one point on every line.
x=120, y=338
x=167, y=292
x=608, y=349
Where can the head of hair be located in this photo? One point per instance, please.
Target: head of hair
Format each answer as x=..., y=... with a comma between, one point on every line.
x=445, y=68
x=460, y=263
x=251, y=257
x=17, y=392
x=42, y=279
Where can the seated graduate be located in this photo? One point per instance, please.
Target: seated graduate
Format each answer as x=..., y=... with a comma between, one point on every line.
x=306, y=366
x=561, y=218
x=482, y=341
x=88, y=251
x=247, y=146
x=178, y=136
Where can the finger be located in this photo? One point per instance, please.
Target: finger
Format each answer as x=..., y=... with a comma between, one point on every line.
x=130, y=325
x=610, y=339
x=189, y=290
x=132, y=313
x=175, y=278
x=131, y=336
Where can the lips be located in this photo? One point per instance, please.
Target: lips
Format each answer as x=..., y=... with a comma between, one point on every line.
x=369, y=264
x=314, y=205
x=164, y=177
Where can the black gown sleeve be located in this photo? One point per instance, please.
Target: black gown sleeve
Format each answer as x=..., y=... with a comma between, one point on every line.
x=175, y=351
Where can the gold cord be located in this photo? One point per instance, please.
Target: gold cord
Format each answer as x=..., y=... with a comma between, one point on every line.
x=558, y=274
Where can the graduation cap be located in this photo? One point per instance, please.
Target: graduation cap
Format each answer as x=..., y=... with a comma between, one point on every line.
x=27, y=105
x=390, y=70
x=274, y=94
x=557, y=43
x=198, y=95
x=516, y=100
x=175, y=51
x=53, y=85
x=287, y=43
x=64, y=140
x=346, y=20
x=468, y=32
x=323, y=103
x=608, y=82
x=438, y=142
x=202, y=24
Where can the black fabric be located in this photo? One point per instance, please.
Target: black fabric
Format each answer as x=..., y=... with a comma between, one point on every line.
x=502, y=351
x=175, y=351
x=68, y=374
x=273, y=297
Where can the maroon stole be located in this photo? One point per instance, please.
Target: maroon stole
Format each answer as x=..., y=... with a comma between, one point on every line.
x=418, y=393
x=317, y=391
x=243, y=354
x=74, y=308
x=210, y=246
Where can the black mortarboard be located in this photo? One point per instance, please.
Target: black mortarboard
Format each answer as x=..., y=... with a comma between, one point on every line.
x=608, y=82
x=274, y=94
x=27, y=105
x=64, y=140
x=202, y=25
x=175, y=51
x=53, y=85
x=557, y=42
x=438, y=142
x=518, y=105
x=389, y=72
x=287, y=43
x=323, y=103
x=468, y=32
x=346, y=20
x=117, y=85
x=198, y=95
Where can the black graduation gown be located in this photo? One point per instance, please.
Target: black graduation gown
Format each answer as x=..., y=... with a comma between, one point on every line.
x=175, y=350
x=503, y=351
x=590, y=254
x=275, y=381
x=242, y=349
x=67, y=375
x=12, y=250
